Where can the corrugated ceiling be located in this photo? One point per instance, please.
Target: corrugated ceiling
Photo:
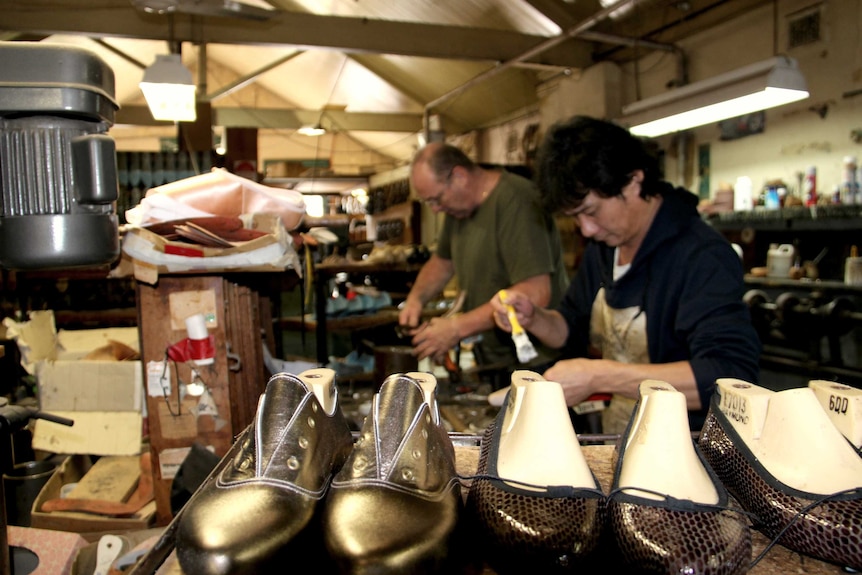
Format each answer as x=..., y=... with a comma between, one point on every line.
x=367, y=68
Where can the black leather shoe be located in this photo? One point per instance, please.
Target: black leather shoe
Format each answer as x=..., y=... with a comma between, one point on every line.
x=668, y=511
x=534, y=505
x=394, y=507
x=826, y=524
x=255, y=514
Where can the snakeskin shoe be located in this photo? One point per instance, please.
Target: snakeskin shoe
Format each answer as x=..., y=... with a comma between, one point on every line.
x=824, y=526
x=258, y=508
x=523, y=527
x=656, y=508
x=394, y=507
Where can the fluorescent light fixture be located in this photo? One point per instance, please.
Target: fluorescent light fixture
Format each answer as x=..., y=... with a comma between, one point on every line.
x=170, y=92
x=759, y=86
x=316, y=130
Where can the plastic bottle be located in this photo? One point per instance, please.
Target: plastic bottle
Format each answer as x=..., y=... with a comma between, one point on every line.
x=809, y=186
x=742, y=199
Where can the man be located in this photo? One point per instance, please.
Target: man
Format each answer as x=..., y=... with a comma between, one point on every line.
x=495, y=235
x=658, y=294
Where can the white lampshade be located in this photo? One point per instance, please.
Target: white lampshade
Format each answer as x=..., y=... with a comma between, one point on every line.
x=169, y=89
x=316, y=130
x=759, y=86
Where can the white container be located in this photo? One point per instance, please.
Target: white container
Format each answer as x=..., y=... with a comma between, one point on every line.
x=742, y=198
x=779, y=259
x=853, y=271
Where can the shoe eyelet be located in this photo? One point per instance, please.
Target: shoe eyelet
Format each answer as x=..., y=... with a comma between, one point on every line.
x=303, y=442
x=314, y=407
x=293, y=462
x=424, y=433
x=416, y=454
x=244, y=464
x=311, y=422
x=407, y=474
x=359, y=464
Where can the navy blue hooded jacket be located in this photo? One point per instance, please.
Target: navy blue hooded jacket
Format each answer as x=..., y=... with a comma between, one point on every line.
x=688, y=280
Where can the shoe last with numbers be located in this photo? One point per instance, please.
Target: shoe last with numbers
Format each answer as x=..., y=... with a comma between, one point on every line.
x=394, y=507
x=668, y=511
x=535, y=505
x=785, y=462
x=261, y=507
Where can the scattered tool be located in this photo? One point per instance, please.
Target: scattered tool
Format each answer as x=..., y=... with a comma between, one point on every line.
x=523, y=345
x=107, y=551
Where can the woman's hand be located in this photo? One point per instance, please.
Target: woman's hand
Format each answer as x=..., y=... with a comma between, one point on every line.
x=580, y=377
x=520, y=302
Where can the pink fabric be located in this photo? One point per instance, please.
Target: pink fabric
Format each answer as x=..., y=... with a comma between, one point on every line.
x=221, y=193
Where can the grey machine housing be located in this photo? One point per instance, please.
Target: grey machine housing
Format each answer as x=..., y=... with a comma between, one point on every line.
x=58, y=166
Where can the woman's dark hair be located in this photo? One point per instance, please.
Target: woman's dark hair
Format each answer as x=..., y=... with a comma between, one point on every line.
x=582, y=155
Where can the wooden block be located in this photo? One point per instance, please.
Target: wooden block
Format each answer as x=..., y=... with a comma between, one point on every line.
x=111, y=478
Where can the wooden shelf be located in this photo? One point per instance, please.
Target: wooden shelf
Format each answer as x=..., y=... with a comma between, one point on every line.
x=348, y=322
x=833, y=218
x=322, y=274
x=803, y=284
x=329, y=270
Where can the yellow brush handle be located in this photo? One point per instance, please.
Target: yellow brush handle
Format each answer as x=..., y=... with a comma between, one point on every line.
x=516, y=325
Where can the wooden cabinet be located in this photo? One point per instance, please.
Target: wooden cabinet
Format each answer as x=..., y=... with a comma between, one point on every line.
x=236, y=317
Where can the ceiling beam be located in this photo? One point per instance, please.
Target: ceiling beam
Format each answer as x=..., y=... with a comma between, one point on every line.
x=360, y=35
x=288, y=119
x=668, y=22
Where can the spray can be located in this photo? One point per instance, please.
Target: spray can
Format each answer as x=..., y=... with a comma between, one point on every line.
x=850, y=185
x=809, y=186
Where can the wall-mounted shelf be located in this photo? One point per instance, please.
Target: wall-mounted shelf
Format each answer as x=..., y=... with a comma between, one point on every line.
x=799, y=218
x=324, y=272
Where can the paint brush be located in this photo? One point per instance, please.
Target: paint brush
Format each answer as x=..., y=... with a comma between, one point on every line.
x=523, y=345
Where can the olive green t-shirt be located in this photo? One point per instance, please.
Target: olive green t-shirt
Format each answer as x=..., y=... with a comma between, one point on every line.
x=508, y=239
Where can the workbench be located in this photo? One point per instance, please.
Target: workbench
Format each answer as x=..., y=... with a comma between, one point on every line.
x=778, y=561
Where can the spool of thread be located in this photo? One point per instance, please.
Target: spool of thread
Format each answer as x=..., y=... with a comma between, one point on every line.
x=196, y=327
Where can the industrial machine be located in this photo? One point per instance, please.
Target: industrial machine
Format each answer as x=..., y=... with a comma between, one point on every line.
x=58, y=168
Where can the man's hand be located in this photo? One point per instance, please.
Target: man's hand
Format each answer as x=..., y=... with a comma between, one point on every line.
x=410, y=315
x=435, y=338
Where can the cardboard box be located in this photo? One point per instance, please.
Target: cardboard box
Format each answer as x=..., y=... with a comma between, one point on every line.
x=103, y=398
x=90, y=385
x=149, y=254
x=72, y=470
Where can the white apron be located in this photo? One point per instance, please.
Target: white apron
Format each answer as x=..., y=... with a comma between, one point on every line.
x=619, y=335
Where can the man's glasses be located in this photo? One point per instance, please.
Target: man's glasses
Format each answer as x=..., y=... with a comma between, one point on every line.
x=435, y=201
